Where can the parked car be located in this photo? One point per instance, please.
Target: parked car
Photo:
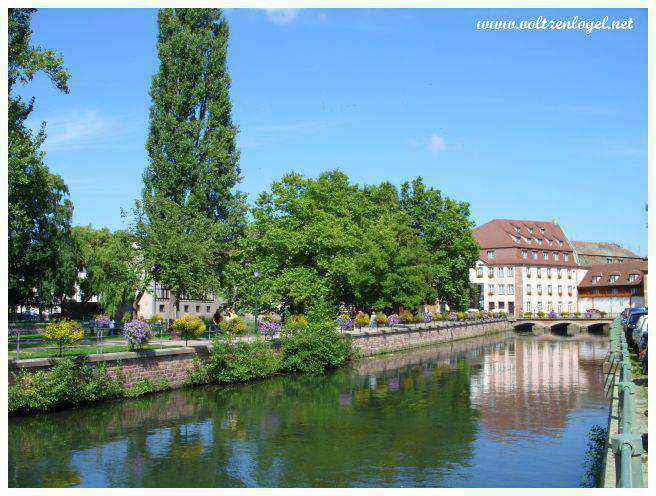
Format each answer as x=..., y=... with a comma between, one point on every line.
x=632, y=319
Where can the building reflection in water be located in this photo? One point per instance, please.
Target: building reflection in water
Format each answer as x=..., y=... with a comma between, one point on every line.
x=530, y=386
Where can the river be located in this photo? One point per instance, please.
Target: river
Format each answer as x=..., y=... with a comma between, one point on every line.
x=500, y=411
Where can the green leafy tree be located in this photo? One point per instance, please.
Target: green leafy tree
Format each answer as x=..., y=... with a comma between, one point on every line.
x=40, y=249
x=444, y=225
x=114, y=268
x=190, y=213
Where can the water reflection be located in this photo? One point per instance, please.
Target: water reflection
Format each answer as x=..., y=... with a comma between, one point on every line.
x=499, y=411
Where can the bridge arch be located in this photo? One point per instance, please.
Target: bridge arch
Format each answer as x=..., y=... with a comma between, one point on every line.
x=560, y=328
x=598, y=328
x=523, y=326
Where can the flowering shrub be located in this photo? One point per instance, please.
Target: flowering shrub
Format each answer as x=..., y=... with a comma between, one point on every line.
x=565, y=314
x=480, y=315
x=136, y=332
x=381, y=319
x=588, y=314
x=552, y=314
x=502, y=314
x=461, y=315
x=269, y=329
x=438, y=316
x=393, y=319
x=577, y=314
x=189, y=326
x=407, y=317
x=102, y=320
x=453, y=317
x=541, y=314
x=63, y=332
x=427, y=317
x=296, y=323
x=361, y=319
x=345, y=322
x=234, y=326
x=528, y=314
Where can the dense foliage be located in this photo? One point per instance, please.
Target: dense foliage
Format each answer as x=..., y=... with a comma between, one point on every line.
x=190, y=212
x=189, y=326
x=327, y=242
x=136, y=333
x=314, y=349
x=67, y=384
x=41, y=252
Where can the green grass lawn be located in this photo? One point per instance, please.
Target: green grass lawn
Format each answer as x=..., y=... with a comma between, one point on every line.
x=77, y=350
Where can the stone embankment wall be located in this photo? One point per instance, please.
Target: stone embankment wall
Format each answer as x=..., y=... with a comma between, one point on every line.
x=175, y=364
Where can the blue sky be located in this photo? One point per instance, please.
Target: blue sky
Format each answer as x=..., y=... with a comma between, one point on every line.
x=534, y=125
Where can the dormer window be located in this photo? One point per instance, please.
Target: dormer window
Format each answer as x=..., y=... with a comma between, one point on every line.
x=548, y=241
x=530, y=230
x=560, y=242
x=538, y=241
x=614, y=278
x=490, y=254
x=535, y=255
x=517, y=229
x=609, y=260
x=545, y=255
x=524, y=254
x=528, y=240
x=633, y=277
x=596, y=278
x=542, y=230
x=556, y=257
x=566, y=257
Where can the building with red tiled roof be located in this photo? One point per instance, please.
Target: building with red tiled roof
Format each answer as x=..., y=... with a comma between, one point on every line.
x=525, y=266
x=612, y=287
x=592, y=252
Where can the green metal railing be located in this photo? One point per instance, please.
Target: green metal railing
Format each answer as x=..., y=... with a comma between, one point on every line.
x=627, y=443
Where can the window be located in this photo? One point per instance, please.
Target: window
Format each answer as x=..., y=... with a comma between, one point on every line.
x=560, y=290
x=570, y=307
x=538, y=271
x=491, y=289
x=490, y=254
x=548, y=241
x=539, y=306
x=549, y=289
x=560, y=272
x=515, y=238
x=491, y=305
x=570, y=273
x=550, y=306
x=479, y=272
x=527, y=240
x=501, y=289
x=524, y=254
x=511, y=289
x=500, y=271
x=614, y=278
x=633, y=277
x=528, y=272
x=535, y=255
x=560, y=242
x=538, y=241
x=528, y=306
x=556, y=256
x=566, y=257
x=542, y=230
x=502, y=305
x=549, y=272
x=596, y=278
x=162, y=293
x=197, y=308
x=609, y=260
x=208, y=309
x=530, y=229
x=539, y=289
x=528, y=289
x=545, y=255
x=511, y=272
x=161, y=308
x=186, y=308
x=490, y=272
x=517, y=229
x=569, y=290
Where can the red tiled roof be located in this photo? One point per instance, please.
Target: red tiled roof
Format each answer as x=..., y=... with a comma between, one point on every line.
x=603, y=249
x=624, y=269
x=508, y=237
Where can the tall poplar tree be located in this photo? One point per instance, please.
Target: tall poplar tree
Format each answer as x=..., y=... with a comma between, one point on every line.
x=190, y=211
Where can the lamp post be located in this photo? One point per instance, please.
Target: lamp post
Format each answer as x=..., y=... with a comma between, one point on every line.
x=256, y=273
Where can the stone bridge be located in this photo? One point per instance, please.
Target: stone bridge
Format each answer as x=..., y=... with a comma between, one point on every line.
x=564, y=326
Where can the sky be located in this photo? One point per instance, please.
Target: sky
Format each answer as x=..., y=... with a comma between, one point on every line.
x=535, y=125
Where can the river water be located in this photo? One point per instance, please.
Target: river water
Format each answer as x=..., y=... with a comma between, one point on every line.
x=499, y=411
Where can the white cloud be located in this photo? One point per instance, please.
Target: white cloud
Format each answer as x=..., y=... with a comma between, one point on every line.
x=87, y=128
x=281, y=17
x=435, y=143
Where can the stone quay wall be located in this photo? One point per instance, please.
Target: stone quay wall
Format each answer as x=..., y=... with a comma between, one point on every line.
x=174, y=364
x=384, y=340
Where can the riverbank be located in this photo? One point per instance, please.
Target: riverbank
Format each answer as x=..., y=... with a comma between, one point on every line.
x=130, y=374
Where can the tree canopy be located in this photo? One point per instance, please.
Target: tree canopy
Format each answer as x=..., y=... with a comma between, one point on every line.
x=41, y=253
x=329, y=242
x=190, y=213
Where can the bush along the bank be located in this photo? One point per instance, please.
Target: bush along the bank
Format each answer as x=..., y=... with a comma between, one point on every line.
x=189, y=327
x=63, y=332
x=65, y=385
x=315, y=349
x=136, y=333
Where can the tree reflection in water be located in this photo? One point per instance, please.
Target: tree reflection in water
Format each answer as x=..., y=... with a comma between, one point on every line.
x=446, y=416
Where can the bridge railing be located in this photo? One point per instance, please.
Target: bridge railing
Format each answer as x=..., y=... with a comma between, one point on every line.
x=627, y=443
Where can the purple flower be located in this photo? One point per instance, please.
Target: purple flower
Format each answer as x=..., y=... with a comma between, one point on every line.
x=553, y=315
x=268, y=328
x=136, y=332
x=393, y=319
x=588, y=314
x=102, y=320
x=345, y=323
x=453, y=317
x=427, y=317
